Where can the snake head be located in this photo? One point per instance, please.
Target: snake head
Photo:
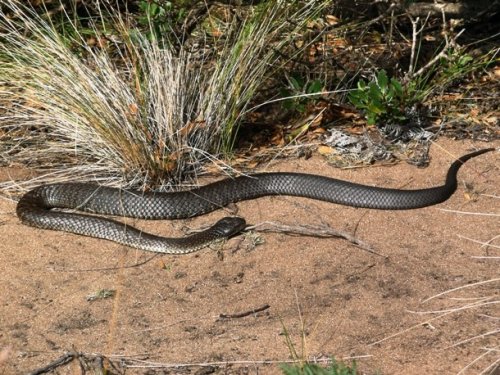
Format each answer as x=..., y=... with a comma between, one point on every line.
x=229, y=226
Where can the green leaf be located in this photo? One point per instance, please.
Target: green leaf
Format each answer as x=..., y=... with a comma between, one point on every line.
x=288, y=104
x=153, y=10
x=161, y=13
x=355, y=100
x=464, y=60
x=371, y=119
x=376, y=108
x=382, y=80
x=315, y=87
x=300, y=108
x=398, y=88
x=391, y=93
x=181, y=14
x=296, y=84
x=374, y=91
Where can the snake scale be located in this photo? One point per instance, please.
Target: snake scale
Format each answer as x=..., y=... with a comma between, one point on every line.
x=35, y=207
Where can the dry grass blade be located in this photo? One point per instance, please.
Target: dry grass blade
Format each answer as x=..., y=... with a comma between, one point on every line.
x=479, y=299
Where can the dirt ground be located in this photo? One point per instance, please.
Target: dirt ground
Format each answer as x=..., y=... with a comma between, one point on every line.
x=347, y=302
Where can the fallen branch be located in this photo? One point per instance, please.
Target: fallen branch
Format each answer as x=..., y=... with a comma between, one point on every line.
x=94, y=363
x=321, y=231
x=61, y=361
x=464, y=10
x=425, y=9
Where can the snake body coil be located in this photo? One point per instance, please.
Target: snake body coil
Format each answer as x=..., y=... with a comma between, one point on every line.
x=34, y=208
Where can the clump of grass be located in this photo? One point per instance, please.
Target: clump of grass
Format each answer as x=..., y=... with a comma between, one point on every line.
x=300, y=365
x=335, y=368
x=126, y=109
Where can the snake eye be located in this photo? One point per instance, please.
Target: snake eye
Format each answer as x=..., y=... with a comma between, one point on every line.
x=229, y=226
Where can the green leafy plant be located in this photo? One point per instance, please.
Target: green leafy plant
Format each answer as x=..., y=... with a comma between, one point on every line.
x=452, y=67
x=159, y=16
x=300, y=92
x=388, y=101
x=456, y=64
x=382, y=99
x=449, y=69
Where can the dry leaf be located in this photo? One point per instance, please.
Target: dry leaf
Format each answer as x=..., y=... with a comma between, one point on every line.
x=332, y=20
x=216, y=33
x=133, y=109
x=325, y=150
x=252, y=165
x=190, y=126
x=491, y=120
x=91, y=42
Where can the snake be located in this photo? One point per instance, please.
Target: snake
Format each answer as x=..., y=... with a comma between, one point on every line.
x=36, y=207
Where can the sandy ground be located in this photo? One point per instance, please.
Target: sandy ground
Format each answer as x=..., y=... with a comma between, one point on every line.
x=345, y=301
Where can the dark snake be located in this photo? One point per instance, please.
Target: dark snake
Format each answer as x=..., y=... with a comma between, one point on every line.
x=35, y=207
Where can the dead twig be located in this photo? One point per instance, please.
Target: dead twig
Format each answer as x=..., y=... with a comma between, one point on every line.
x=61, y=361
x=450, y=38
x=450, y=43
x=88, y=362
x=244, y=313
x=415, y=33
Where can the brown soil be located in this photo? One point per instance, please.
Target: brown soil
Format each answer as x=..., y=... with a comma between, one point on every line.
x=342, y=298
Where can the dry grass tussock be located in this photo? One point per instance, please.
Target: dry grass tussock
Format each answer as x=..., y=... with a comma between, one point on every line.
x=128, y=111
